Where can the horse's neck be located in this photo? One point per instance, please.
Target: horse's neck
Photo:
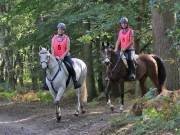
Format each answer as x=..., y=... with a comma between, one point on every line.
x=114, y=58
x=52, y=66
x=117, y=63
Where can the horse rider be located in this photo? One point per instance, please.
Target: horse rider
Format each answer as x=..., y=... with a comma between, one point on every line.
x=60, y=48
x=126, y=43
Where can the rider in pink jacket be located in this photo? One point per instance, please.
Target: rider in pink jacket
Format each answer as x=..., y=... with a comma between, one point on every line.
x=126, y=43
x=60, y=48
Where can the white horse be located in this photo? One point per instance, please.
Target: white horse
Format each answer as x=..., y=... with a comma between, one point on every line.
x=57, y=76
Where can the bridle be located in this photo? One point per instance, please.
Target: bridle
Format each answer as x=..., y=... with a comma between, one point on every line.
x=45, y=61
x=53, y=78
x=108, y=58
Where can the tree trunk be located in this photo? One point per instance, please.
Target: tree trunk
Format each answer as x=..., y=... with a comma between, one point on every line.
x=87, y=52
x=33, y=69
x=140, y=23
x=161, y=22
x=9, y=67
x=100, y=69
x=2, y=65
x=20, y=66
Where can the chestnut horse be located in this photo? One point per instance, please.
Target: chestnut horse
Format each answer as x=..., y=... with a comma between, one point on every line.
x=147, y=65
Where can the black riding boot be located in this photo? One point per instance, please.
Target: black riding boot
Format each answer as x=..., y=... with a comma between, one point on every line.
x=76, y=83
x=132, y=75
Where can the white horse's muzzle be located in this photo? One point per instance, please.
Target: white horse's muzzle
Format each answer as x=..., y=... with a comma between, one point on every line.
x=44, y=65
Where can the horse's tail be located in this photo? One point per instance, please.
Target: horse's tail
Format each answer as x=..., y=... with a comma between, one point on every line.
x=161, y=72
x=84, y=93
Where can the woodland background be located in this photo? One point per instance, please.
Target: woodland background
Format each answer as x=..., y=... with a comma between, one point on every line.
x=27, y=24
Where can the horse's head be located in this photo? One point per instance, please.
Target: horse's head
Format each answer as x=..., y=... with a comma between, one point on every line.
x=44, y=57
x=107, y=53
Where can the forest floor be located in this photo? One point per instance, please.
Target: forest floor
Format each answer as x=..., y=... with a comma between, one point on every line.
x=39, y=119
x=159, y=116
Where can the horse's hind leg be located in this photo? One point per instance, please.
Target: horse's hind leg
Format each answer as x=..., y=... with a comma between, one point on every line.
x=142, y=85
x=78, y=108
x=154, y=78
x=121, y=89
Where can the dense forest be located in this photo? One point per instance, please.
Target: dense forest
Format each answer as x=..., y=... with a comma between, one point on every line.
x=27, y=24
x=26, y=108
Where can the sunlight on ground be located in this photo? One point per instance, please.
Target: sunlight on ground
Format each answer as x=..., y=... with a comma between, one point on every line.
x=18, y=121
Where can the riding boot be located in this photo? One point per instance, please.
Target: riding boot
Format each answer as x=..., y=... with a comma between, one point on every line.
x=76, y=83
x=131, y=69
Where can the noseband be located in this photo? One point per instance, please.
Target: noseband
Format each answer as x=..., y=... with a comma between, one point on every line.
x=44, y=60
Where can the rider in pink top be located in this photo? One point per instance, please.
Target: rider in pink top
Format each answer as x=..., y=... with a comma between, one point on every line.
x=126, y=43
x=60, y=48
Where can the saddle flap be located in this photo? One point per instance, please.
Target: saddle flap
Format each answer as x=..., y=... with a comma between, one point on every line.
x=65, y=66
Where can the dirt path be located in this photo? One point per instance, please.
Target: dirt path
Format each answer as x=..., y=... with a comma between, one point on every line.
x=39, y=119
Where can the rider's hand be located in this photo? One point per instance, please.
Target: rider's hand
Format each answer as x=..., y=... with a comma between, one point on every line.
x=57, y=57
x=61, y=58
x=123, y=49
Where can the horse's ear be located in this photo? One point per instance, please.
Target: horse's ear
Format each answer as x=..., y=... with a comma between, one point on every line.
x=107, y=44
x=102, y=46
x=48, y=49
x=40, y=47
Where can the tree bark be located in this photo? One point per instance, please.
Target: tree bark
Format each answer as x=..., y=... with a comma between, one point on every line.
x=140, y=23
x=161, y=22
x=2, y=65
x=9, y=67
x=20, y=66
x=33, y=68
x=87, y=52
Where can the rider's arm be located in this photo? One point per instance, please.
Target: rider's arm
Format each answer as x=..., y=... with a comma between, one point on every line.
x=116, y=45
x=52, y=48
x=67, y=50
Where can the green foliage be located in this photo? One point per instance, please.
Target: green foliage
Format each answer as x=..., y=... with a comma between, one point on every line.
x=44, y=97
x=150, y=113
x=92, y=104
x=86, y=39
x=152, y=92
x=165, y=120
x=7, y=94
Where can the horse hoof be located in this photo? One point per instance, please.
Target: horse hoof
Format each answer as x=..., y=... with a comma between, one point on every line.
x=112, y=108
x=76, y=114
x=56, y=102
x=83, y=111
x=58, y=119
x=121, y=108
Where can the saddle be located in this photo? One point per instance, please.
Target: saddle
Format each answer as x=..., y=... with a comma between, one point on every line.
x=125, y=61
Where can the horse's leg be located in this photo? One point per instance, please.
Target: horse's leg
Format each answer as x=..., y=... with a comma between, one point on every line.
x=58, y=113
x=154, y=78
x=121, y=88
x=142, y=85
x=78, y=109
x=59, y=94
x=53, y=94
x=107, y=90
x=57, y=101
